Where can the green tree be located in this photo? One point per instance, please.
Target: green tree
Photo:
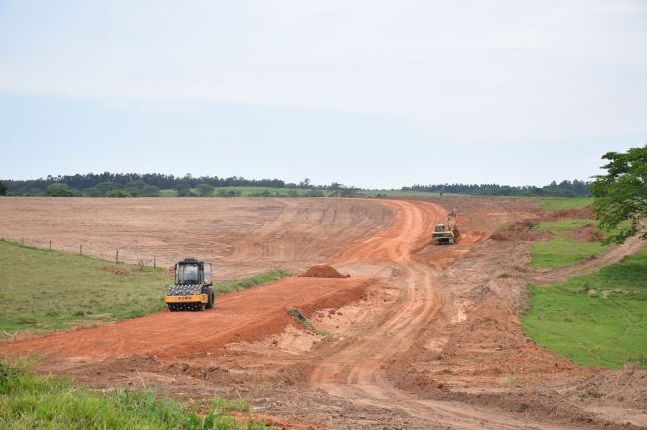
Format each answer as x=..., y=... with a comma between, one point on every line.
x=139, y=188
x=150, y=191
x=349, y=191
x=228, y=193
x=119, y=193
x=335, y=188
x=101, y=189
x=3, y=189
x=621, y=195
x=60, y=190
x=184, y=190
x=204, y=190
x=305, y=184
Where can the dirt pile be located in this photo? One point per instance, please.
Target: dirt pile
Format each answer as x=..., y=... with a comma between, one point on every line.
x=626, y=385
x=518, y=231
x=582, y=213
x=323, y=271
x=588, y=233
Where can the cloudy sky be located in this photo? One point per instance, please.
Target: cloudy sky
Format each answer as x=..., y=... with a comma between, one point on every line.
x=370, y=93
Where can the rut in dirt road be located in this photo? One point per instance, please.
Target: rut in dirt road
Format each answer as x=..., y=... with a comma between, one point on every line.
x=359, y=372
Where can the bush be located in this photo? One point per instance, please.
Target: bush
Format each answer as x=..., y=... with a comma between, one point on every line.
x=119, y=193
x=60, y=190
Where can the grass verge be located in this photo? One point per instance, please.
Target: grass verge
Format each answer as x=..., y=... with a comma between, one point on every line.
x=42, y=291
x=31, y=401
x=233, y=285
x=598, y=319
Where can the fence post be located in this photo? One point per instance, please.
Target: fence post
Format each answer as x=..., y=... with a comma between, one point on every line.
x=117, y=257
x=80, y=249
x=154, y=262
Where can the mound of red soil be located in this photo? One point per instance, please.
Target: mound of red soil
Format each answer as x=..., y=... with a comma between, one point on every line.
x=582, y=213
x=588, y=233
x=627, y=383
x=521, y=230
x=323, y=271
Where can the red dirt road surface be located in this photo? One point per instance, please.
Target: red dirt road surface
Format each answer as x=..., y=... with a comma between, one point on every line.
x=419, y=336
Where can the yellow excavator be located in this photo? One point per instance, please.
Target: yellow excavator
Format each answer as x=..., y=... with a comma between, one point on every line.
x=447, y=233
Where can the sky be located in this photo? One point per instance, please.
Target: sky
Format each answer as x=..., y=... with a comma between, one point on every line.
x=366, y=93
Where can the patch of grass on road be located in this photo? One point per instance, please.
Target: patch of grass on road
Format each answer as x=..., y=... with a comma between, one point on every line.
x=598, y=319
x=31, y=401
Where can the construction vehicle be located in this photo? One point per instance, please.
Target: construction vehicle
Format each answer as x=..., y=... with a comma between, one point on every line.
x=447, y=233
x=192, y=290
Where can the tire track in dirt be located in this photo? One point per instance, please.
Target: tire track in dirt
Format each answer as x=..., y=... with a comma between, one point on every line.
x=357, y=373
x=360, y=363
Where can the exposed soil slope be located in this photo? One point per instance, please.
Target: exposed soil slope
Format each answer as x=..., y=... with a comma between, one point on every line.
x=420, y=336
x=240, y=236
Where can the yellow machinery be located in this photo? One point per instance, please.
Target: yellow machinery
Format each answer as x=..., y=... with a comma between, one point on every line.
x=447, y=234
x=191, y=291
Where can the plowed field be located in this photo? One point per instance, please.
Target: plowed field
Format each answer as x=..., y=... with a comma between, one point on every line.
x=419, y=336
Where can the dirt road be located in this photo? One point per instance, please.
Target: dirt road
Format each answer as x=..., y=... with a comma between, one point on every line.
x=419, y=336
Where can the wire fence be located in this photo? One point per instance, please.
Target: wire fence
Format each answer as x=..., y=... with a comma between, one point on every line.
x=117, y=255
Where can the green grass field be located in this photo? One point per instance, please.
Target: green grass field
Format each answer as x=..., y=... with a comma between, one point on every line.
x=562, y=249
x=599, y=319
x=42, y=290
x=551, y=204
x=31, y=401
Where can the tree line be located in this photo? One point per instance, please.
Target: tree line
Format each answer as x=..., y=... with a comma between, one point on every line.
x=127, y=185
x=575, y=188
x=151, y=185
